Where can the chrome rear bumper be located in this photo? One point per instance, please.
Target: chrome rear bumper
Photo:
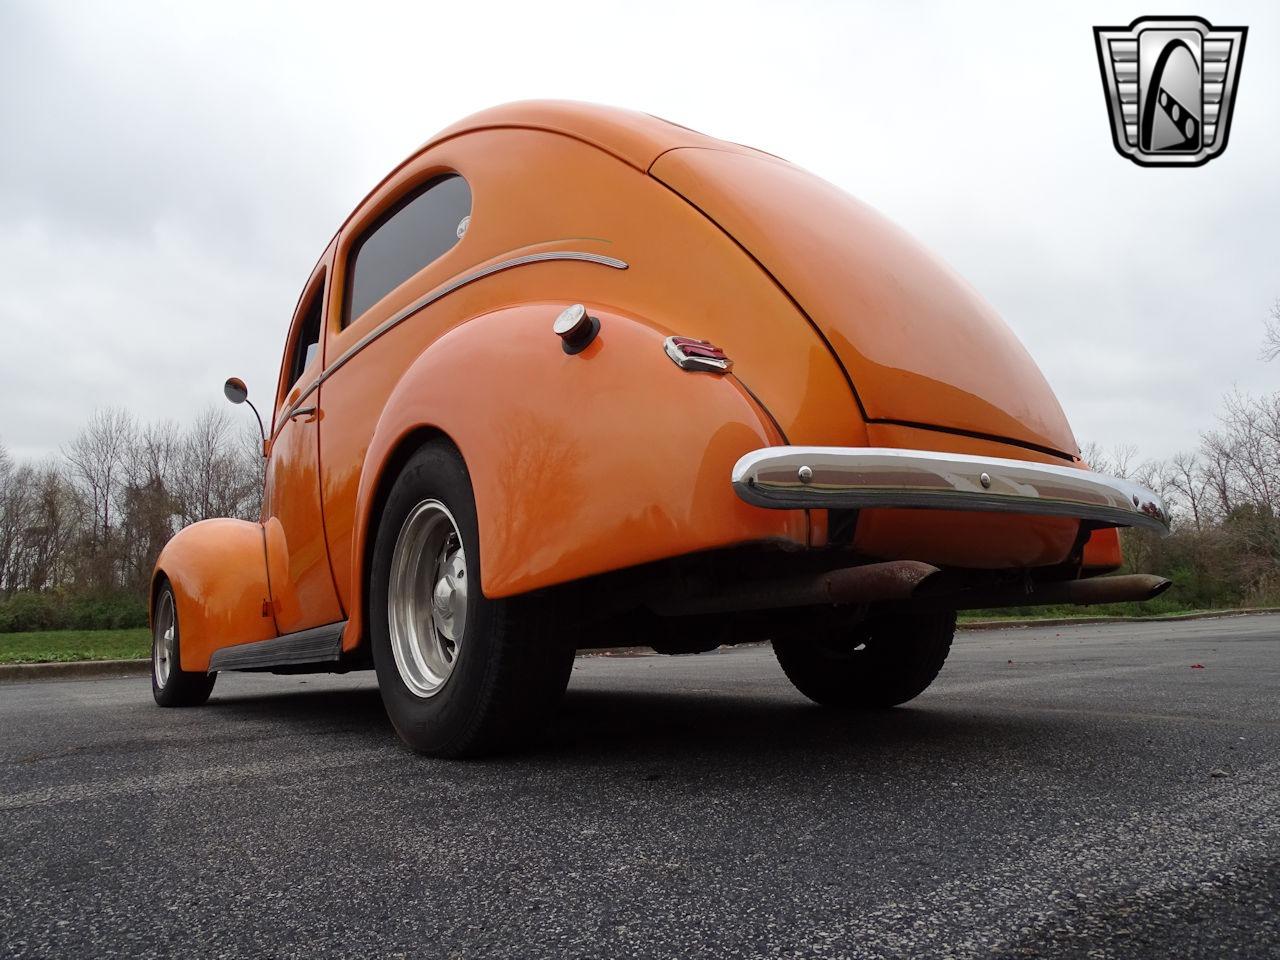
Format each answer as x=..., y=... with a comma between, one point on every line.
x=857, y=477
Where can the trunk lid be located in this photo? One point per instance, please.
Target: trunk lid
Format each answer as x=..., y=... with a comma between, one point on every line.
x=920, y=345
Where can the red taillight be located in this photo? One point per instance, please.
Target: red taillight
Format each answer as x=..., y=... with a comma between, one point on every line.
x=690, y=354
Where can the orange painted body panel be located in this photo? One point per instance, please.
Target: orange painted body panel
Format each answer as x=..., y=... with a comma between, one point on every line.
x=920, y=344
x=703, y=286
x=303, y=590
x=219, y=575
x=551, y=506
x=1102, y=552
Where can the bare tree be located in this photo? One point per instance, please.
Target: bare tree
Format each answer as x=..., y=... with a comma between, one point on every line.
x=1254, y=449
x=153, y=453
x=1091, y=454
x=11, y=496
x=97, y=520
x=1118, y=461
x=1218, y=457
x=97, y=461
x=1187, y=476
x=211, y=476
x=1271, y=334
x=1155, y=475
x=254, y=469
x=147, y=504
x=53, y=520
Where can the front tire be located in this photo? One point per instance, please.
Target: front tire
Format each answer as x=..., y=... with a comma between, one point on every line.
x=883, y=661
x=170, y=684
x=460, y=674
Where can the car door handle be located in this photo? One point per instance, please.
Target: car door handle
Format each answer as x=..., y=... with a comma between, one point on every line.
x=303, y=412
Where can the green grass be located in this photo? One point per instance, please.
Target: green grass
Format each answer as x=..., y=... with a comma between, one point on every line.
x=1162, y=606
x=64, y=645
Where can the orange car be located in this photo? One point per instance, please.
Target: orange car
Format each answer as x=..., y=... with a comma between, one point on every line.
x=571, y=376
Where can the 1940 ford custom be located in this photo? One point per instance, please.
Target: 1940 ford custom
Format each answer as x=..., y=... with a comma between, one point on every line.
x=572, y=376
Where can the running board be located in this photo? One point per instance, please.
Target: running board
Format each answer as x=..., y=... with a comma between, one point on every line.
x=317, y=645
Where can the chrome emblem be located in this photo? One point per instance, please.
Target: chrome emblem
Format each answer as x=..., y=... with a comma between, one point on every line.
x=1170, y=84
x=689, y=354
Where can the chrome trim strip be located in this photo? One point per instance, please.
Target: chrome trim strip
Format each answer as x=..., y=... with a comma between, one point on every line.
x=427, y=299
x=856, y=477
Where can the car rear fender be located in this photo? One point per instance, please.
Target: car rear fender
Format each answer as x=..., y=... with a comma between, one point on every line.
x=580, y=463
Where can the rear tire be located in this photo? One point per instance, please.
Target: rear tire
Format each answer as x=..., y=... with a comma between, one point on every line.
x=881, y=662
x=170, y=684
x=461, y=675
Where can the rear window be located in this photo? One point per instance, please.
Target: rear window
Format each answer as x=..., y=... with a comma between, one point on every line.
x=415, y=232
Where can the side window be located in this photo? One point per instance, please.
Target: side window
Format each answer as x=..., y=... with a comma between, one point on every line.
x=308, y=342
x=415, y=232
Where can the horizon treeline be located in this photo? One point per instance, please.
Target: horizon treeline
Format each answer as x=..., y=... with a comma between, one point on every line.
x=80, y=530
x=1224, y=499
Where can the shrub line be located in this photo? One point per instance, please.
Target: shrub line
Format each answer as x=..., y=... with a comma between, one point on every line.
x=1081, y=621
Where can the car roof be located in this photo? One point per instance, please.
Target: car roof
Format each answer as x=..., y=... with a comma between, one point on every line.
x=635, y=138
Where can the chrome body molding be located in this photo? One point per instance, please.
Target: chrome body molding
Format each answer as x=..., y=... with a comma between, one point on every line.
x=857, y=477
x=448, y=287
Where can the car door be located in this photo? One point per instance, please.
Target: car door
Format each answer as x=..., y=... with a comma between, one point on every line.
x=400, y=245
x=302, y=587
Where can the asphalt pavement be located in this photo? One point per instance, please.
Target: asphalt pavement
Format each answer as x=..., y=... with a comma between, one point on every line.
x=1085, y=791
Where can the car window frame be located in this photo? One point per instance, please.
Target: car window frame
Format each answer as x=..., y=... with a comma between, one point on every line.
x=368, y=228
x=315, y=291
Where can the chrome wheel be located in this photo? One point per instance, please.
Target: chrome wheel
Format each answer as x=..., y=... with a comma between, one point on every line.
x=164, y=649
x=427, y=598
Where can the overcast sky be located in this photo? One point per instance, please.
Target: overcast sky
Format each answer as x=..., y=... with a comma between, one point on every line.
x=169, y=174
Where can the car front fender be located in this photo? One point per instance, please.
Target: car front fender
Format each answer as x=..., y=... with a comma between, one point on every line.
x=218, y=571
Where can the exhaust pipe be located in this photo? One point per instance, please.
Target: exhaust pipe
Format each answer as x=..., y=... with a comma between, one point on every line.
x=872, y=583
x=1082, y=593
x=909, y=581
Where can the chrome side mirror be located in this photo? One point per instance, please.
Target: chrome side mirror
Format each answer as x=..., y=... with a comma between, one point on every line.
x=235, y=391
